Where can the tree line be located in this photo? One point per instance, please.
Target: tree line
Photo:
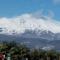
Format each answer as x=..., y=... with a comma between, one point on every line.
x=14, y=51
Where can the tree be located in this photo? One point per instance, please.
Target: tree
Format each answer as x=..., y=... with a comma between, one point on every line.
x=34, y=54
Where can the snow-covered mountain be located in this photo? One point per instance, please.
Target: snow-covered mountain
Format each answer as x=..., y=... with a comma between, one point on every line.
x=32, y=31
x=41, y=39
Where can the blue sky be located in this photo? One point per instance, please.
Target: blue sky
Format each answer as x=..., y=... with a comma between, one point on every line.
x=10, y=8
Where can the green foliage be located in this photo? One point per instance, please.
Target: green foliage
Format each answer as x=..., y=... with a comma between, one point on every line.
x=18, y=51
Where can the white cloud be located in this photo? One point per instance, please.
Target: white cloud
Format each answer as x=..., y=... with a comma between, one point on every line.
x=27, y=21
x=56, y=1
x=50, y=14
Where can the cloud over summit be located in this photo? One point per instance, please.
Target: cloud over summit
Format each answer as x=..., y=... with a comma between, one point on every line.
x=20, y=23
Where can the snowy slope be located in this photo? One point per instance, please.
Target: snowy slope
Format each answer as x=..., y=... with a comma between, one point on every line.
x=19, y=24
